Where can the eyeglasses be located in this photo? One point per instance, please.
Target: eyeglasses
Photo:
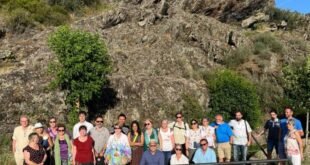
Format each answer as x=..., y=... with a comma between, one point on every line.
x=53, y=121
x=178, y=149
x=99, y=121
x=203, y=144
x=147, y=124
x=117, y=128
x=178, y=117
x=61, y=130
x=153, y=145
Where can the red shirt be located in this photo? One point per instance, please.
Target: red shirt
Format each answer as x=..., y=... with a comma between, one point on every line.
x=84, y=152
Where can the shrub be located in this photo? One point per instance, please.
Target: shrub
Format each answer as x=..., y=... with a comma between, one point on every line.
x=83, y=64
x=230, y=92
x=266, y=42
x=73, y=5
x=237, y=57
x=19, y=20
x=191, y=108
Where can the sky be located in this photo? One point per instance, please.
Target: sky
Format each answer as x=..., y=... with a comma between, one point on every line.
x=302, y=6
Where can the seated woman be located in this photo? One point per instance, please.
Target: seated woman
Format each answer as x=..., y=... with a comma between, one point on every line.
x=178, y=157
x=33, y=152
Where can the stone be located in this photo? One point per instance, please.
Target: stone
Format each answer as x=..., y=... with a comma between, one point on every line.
x=2, y=32
x=259, y=17
x=6, y=54
x=164, y=8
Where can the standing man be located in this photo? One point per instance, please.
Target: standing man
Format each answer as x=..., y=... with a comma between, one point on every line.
x=223, y=137
x=180, y=130
x=101, y=136
x=283, y=124
x=20, y=139
x=82, y=121
x=122, y=123
x=273, y=127
x=241, y=136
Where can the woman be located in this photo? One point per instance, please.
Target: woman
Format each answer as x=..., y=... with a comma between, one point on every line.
x=149, y=134
x=33, y=152
x=118, y=150
x=82, y=150
x=62, y=146
x=293, y=144
x=193, y=138
x=52, y=129
x=136, y=140
x=45, y=141
x=208, y=132
x=166, y=140
x=178, y=157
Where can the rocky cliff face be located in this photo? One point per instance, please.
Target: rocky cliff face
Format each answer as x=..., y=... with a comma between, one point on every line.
x=158, y=49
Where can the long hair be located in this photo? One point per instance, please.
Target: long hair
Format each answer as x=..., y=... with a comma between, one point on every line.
x=132, y=133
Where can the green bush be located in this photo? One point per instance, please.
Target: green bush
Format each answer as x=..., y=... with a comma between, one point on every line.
x=229, y=92
x=83, y=64
x=237, y=57
x=27, y=13
x=191, y=108
x=263, y=43
x=293, y=19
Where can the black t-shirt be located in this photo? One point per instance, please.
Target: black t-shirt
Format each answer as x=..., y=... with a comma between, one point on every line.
x=273, y=127
x=36, y=156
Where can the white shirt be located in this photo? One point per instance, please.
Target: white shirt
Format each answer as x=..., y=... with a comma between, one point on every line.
x=76, y=127
x=166, y=139
x=182, y=160
x=239, y=131
x=194, y=136
x=208, y=133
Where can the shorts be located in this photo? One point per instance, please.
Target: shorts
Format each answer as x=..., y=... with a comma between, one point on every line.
x=224, y=150
x=281, y=150
x=273, y=144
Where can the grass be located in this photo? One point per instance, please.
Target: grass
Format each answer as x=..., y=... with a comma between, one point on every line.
x=6, y=156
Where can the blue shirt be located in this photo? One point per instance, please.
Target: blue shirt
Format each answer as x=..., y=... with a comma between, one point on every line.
x=223, y=132
x=149, y=159
x=284, y=130
x=207, y=157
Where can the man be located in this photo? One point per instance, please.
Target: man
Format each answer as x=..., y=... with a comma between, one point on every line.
x=101, y=136
x=82, y=121
x=273, y=127
x=204, y=154
x=152, y=156
x=180, y=130
x=20, y=139
x=122, y=123
x=241, y=136
x=223, y=137
x=283, y=124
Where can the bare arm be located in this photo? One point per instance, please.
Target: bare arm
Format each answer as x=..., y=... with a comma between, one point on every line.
x=298, y=138
x=27, y=158
x=142, y=141
x=73, y=154
x=160, y=141
x=172, y=140
x=14, y=146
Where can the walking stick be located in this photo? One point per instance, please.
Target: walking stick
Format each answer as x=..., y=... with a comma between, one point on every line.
x=261, y=148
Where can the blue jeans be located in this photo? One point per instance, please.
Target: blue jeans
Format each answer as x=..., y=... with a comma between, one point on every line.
x=240, y=150
x=272, y=144
x=167, y=155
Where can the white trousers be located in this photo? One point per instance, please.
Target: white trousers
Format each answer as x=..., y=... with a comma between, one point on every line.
x=295, y=159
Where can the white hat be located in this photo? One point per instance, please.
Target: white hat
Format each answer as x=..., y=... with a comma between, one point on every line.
x=38, y=125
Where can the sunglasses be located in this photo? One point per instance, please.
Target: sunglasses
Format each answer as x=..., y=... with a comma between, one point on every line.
x=147, y=124
x=203, y=144
x=99, y=121
x=178, y=149
x=194, y=123
x=52, y=121
x=179, y=117
x=117, y=128
x=153, y=145
x=61, y=130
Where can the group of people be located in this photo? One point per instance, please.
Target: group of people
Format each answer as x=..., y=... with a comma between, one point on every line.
x=171, y=143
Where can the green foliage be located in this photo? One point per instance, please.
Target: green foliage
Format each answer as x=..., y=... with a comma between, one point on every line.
x=74, y=5
x=230, y=92
x=265, y=43
x=297, y=84
x=191, y=108
x=293, y=19
x=27, y=13
x=83, y=64
x=237, y=57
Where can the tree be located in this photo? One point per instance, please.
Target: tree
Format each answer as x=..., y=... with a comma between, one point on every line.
x=230, y=92
x=83, y=64
x=297, y=84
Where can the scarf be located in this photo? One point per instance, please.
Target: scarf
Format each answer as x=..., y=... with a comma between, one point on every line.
x=147, y=139
x=57, y=149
